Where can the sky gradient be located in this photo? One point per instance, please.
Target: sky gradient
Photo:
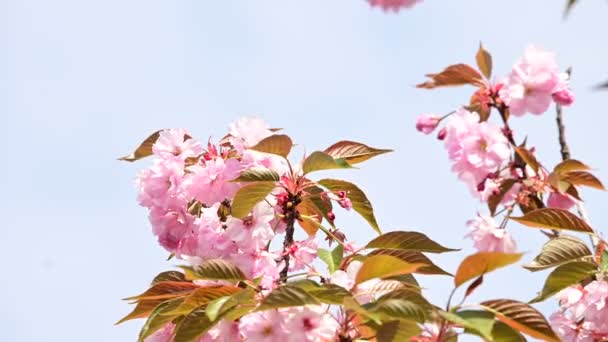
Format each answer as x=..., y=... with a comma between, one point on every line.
x=83, y=82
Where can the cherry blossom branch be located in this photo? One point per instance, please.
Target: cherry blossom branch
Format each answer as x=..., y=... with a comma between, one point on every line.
x=290, y=219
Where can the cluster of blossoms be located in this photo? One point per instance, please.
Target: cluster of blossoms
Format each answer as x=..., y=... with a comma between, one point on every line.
x=482, y=151
x=584, y=313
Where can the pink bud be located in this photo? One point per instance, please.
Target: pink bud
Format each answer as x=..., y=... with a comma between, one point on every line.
x=564, y=97
x=345, y=203
x=442, y=134
x=331, y=216
x=426, y=123
x=341, y=194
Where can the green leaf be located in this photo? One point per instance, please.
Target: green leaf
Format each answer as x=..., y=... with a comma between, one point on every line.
x=169, y=276
x=484, y=61
x=481, y=322
x=360, y=202
x=318, y=161
x=258, y=174
x=193, y=326
x=287, y=296
x=398, y=308
x=410, y=241
x=144, y=149
x=481, y=263
x=397, y=331
x=454, y=75
x=232, y=307
x=201, y=297
x=504, y=333
x=383, y=266
x=158, y=319
x=564, y=276
x=557, y=251
x=521, y=317
x=248, y=196
x=604, y=261
x=353, y=152
x=553, y=218
x=217, y=305
x=333, y=258
x=330, y=294
x=278, y=144
x=414, y=258
x=215, y=269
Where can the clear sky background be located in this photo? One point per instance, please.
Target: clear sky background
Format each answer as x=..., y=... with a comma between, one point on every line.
x=82, y=82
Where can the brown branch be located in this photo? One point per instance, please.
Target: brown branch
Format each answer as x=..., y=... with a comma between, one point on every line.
x=561, y=130
x=290, y=220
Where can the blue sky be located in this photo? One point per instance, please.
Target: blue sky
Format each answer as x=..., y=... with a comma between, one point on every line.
x=82, y=82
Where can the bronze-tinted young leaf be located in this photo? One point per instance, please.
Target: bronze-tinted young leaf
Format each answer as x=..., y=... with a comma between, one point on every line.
x=332, y=259
x=495, y=199
x=158, y=319
x=414, y=258
x=287, y=296
x=484, y=61
x=169, y=276
x=318, y=161
x=330, y=294
x=583, y=178
x=522, y=317
x=481, y=322
x=324, y=206
x=278, y=144
x=360, y=202
x=473, y=286
x=527, y=157
x=564, y=276
x=258, y=174
x=396, y=331
x=399, y=308
x=202, y=296
x=553, y=218
x=193, y=326
x=504, y=333
x=310, y=217
x=383, y=266
x=144, y=149
x=232, y=307
x=353, y=152
x=215, y=269
x=410, y=241
x=481, y=263
x=570, y=165
x=248, y=196
x=454, y=75
x=557, y=251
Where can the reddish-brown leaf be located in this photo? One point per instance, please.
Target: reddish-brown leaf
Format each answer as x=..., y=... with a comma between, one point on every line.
x=522, y=317
x=481, y=263
x=484, y=61
x=454, y=75
x=553, y=218
x=583, y=178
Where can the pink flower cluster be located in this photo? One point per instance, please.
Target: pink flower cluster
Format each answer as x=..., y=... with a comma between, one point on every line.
x=534, y=83
x=584, y=313
x=185, y=187
x=393, y=5
x=309, y=323
x=489, y=237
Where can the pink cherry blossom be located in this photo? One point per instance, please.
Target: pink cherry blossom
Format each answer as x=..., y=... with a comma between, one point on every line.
x=394, y=5
x=254, y=231
x=426, y=123
x=560, y=201
x=476, y=148
x=247, y=132
x=163, y=186
x=488, y=237
x=265, y=326
x=211, y=182
x=176, y=144
x=564, y=97
x=532, y=82
x=310, y=324
x=303, y=253
x=164, y=334
x=568, y=330
x=171, y=227
x=596, y=301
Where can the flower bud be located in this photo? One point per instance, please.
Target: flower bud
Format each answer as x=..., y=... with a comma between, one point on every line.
x=564, y=97
x=426, y=123
x=345, y=203
x=442, y=134
x=331, y=216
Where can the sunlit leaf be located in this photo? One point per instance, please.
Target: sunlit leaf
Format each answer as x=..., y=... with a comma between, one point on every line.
x=522, y=317
x=504, y=333
x=287, y=296
x=331, y=259
x=278, y=144
x=144, y=149
x=248, y=196
x=410, y=241
x=564, y=276
x=557, y=251
x=330, y=294
x=360, y=202
x=570, y=165
x=528, y=157
x=481, y=263
x=484, y=61
x=158, y=319
x=583, y=178
x=414, y=258
x=318, y=161
x=202, y=296
x=215, y=269
x=481, y=322
x=396, y=331
x=193, y=326
x=553, y=218
x=169, y=276
x=383, y=266
x=454, y=75
x=258, y=174
x=353, y=152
